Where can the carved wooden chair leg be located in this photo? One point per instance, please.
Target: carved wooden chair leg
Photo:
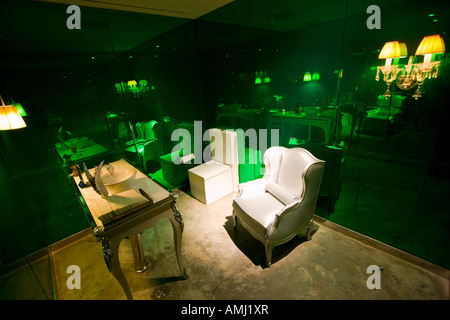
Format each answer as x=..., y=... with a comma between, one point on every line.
x=235, y=222
x=269, y=249
x=309, y=229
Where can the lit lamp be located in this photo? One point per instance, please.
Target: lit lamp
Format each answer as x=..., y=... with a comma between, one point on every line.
x=132, y=86
x=391, y=50
x=430, y=45
x=307, y=76
x=9, y=117
x=411, y=74
x=257, y=78
x=315, y=76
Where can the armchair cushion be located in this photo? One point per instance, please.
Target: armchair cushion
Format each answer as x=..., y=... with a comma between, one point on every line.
x=279, y=192
x=258, y=211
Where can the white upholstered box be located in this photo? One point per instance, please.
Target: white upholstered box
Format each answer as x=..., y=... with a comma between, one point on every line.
x=210, y=181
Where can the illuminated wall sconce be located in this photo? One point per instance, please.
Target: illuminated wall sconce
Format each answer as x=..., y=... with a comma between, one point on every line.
x=409, y=75
x=257, y=78
x=143, y=85
x=307, y=77
x=315, y=76
x=134, y=87
x=10, y=118
x=261, y=76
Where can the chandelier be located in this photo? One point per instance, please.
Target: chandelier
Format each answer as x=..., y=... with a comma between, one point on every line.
x=412, y=74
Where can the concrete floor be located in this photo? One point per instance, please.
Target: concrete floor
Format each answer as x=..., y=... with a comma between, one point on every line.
x=225, y=264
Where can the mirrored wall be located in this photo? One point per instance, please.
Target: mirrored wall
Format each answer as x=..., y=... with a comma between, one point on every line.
x=306, y=70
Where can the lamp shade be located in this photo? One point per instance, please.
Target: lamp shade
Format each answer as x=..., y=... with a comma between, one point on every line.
x=10, y=118
x=431, y=44
x=307, y=76
x=316, y=76
x=393, y=49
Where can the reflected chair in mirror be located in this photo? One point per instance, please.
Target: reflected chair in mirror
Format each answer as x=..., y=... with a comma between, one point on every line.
x=379, y=120
x=147, y=130
x=148, y=144
x=152, y=150
x=168, y=126
x=356, y=111
x=281, y=204
x=330, y=187
x=175, y=171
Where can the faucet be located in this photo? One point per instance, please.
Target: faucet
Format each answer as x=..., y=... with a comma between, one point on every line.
x=110, y=169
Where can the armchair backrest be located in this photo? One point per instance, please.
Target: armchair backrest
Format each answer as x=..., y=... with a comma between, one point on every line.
x=147, y=130
x=287, y=168
x=293, y=174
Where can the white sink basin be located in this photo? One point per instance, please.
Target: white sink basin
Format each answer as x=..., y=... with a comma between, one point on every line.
x=121, y=180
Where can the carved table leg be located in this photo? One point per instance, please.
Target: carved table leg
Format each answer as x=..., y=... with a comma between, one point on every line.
x=178, y=226
x=117, y=270
x=111, y=257
x=140, y=265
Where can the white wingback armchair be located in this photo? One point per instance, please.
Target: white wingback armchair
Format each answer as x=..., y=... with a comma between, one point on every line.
x=277, y=206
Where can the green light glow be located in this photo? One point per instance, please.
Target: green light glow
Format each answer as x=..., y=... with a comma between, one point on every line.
x=20, y=109
x=267, y=80
x=316, y=76
x=307, y=76
x=133, y=86
x=258, y=80
x=339, y=72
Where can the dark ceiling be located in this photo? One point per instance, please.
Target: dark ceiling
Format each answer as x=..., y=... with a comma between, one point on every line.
x=34, y=29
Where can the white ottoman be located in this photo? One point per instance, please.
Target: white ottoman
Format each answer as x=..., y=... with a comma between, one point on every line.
x=210, y=181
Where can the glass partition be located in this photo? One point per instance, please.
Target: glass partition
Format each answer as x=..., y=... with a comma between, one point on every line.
x=395, y=178
x=297, y=74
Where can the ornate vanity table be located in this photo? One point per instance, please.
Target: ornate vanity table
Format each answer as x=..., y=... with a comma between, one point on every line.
x=128, y=214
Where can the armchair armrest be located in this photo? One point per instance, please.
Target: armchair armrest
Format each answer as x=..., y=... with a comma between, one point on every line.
x=253, y=187
x=278, y=216
x=289, y=207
